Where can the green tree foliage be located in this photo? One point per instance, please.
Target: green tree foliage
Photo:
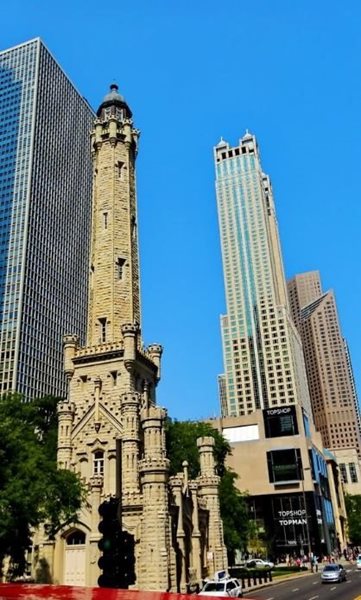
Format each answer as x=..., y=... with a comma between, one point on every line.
x=234, y=511
x=32, y=489
x=353, y=508
x=181, y=439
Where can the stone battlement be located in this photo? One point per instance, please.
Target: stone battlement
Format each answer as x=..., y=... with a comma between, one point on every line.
x=64, y=408
x=150, y=463
x=100, y=348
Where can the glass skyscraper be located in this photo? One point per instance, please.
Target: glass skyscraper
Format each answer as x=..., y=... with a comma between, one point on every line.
x=263, y=358
x=45, y=211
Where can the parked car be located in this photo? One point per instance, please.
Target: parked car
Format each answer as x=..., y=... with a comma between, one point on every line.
x=258, y=563
x=229, y=587
x=332, y=573
x=358, y=562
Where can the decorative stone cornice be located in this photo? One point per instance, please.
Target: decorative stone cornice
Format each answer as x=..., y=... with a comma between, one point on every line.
x=71, y=339
x=96, y=481
x=175, y=481
x=130, y=401
x=100, y=348
x=153, y=464
x=65, y=409
x=208, y=481
x=130, y=329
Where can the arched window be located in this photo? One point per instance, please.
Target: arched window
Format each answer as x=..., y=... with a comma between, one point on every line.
x=98, y=463
x=76, y=538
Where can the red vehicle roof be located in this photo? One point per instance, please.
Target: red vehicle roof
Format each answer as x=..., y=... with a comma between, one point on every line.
x=8, y=591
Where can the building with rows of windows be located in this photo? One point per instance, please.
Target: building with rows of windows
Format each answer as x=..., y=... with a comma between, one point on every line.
x=329, y=371
x=45, y=209
x=295, y=491
x=262, y=351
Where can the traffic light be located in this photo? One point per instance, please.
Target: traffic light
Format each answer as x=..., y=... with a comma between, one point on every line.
x=110, y=529
x=117, y=561
x=127, y=558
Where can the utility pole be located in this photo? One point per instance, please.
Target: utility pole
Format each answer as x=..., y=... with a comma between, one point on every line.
x=301, y=475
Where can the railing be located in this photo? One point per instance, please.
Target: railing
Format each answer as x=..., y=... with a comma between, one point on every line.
x=252, y=577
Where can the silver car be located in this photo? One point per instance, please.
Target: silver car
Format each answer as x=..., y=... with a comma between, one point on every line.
x=333, y=573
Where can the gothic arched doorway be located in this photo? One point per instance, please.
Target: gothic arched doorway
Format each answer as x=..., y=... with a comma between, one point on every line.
x=74, y=563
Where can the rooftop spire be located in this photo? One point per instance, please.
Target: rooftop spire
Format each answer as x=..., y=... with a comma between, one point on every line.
x=113, y=99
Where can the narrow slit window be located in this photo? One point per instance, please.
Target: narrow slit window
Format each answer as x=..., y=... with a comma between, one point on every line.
x=119, y=167
x=105, y=220
x=133, y=228
x=120, y=262
x=103, y=330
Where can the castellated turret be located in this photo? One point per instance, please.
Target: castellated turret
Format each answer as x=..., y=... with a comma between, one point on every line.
x=208, y=482
x=111, y=430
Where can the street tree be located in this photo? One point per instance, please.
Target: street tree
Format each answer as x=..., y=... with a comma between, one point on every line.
x=181, y=437
x=33, y=490
x=353, y=509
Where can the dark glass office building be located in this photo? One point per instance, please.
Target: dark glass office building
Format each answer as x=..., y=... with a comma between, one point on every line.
x=45, y=211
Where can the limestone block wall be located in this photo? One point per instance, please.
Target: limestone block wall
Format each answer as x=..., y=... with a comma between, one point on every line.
x=114, y=265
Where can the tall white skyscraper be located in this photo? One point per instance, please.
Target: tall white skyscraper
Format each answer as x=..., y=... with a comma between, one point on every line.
x=263, y=358
x=45, y=210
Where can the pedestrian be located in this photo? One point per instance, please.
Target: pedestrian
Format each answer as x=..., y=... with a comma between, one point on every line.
x=314, y=564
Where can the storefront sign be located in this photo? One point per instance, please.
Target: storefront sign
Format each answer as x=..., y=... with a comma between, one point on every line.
x=272, y=412
x=292, y=517
x=280, y=421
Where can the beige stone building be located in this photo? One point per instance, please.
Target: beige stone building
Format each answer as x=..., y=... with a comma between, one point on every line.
x=112, y=383
x=328, y=365
x=294, y=488
x=350, y=471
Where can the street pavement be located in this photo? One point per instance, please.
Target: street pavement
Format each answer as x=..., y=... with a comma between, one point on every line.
x=309, y=587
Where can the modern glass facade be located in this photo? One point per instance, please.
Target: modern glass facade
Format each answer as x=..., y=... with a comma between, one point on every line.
x=262, y=351
x=45, y=211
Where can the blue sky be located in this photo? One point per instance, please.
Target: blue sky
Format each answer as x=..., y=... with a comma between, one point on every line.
x=192, y=72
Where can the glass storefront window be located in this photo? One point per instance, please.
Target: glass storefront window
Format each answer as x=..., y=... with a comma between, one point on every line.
x=284, y=465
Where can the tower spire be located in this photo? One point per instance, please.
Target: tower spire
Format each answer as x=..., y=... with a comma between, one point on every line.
x=114, y=296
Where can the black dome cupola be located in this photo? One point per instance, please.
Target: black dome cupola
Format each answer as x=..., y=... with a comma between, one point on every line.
x=114, y=105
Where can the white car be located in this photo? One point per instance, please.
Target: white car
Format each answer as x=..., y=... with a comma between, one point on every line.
x=358, y=562
x=224, y=588
x=258, y=563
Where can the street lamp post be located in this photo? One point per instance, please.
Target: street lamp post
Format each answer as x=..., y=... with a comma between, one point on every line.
x=306, y=514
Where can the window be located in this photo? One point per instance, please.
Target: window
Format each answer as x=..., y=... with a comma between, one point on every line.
x=76, y=538
x=103, y=330
x=343, y=472
x=119, y=265
x=353, y=472
x=105, y=220
x=284, y=465
x=114, y=375
x=120, y=166
x=98, y=463
x=133, y=227
x=230, y=586
x=279, y=422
